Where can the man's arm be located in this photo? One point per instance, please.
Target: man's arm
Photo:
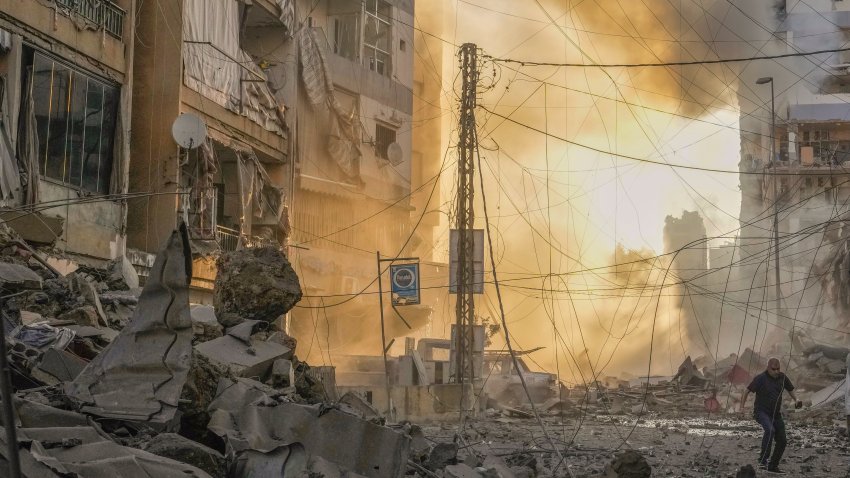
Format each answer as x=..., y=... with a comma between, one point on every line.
x=747, y=394
x=790, y=387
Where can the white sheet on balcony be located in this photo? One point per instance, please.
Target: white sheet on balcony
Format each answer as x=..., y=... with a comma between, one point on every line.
x=217, y=67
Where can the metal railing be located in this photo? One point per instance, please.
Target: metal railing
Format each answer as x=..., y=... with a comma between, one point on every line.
x=228, y=239
x=102, y=13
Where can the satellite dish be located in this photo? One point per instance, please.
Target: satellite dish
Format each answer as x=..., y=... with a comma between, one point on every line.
x=189, y=131
x=395, y=155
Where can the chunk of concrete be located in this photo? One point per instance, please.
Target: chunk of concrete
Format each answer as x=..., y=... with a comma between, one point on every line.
x=254, y=283
x=178, y=448
x=122, y=274
x=205, y=326
x=442, y=455
x=628, y=464
x=241, y=359
x=85, y=315
x=62, y=365
x=283, y=374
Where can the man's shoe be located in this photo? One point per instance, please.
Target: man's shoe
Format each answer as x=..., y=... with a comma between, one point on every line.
x=775, y=470
x=762, y=466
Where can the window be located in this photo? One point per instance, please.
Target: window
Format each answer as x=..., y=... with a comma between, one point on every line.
x=345, y=36
x=384, y=137
x=75, y=123
x=376, y=36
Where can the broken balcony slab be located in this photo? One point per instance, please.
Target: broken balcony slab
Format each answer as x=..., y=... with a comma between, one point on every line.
x=141, y=374
x=249, y=418
x=242, y=359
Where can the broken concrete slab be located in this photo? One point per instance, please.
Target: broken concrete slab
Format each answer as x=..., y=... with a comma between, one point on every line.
x=244, y=360
x=247, y=417
x=87, y=451
x=355, y=404
x=61, y=365
x=141, y=374
x=16, y=276
x=498, y=465
x=204, y=324
x=285, y=460
x=178, y=448
x=38, y=415
x=254, y=283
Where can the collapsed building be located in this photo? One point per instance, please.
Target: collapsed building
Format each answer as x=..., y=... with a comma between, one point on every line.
x=804, y=186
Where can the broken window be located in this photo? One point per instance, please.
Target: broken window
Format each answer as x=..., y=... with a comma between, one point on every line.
x=365, y=32
x=384, y=137
x=75, y=122
x=345, y=36
x=376, y=36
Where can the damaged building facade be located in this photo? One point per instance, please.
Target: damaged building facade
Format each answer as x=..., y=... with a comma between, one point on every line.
x=354, y=111
x=67, y=73
x=808, y=178
x=231, y=190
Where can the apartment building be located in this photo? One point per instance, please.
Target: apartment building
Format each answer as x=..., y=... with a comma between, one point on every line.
x=193, y=57
x=66, y=78
x=808, y=177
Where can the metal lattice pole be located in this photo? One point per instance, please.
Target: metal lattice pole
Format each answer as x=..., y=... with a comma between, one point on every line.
x=465, y=217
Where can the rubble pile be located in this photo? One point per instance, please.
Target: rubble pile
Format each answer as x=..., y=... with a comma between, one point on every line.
x=116, y=381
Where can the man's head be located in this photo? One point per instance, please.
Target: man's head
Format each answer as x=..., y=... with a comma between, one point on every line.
x=773, y=367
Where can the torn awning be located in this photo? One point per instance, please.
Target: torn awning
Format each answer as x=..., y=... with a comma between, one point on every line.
x=217, y=67
x=343, y=141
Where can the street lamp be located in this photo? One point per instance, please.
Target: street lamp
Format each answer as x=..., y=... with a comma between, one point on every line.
x=762, y=81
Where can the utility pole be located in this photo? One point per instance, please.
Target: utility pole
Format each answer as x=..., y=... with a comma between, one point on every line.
x=775, y=165
x=465, y=217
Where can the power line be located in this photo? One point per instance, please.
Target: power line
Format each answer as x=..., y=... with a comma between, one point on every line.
x=671, y=63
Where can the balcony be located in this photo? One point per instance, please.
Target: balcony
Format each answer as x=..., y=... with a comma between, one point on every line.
x=228, y=239
x=102, y=13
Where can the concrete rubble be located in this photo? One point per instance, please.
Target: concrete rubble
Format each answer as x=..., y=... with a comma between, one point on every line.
x=114, y=380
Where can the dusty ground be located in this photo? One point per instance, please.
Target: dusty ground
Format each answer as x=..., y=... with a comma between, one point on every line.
x=706, y=446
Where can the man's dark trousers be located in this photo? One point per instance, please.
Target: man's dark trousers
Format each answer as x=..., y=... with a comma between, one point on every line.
x=774, y=431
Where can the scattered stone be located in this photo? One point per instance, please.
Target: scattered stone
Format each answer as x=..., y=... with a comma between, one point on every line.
x=442, y=455
x=629, y=464
x=746, y=471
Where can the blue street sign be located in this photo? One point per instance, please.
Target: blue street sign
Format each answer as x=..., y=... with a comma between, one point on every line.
x=405, y=283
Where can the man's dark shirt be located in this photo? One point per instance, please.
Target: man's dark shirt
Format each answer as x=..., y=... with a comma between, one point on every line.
x=768, y=392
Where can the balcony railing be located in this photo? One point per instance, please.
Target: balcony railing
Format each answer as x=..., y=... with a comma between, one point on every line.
x=228, y=239
x=102, y=13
